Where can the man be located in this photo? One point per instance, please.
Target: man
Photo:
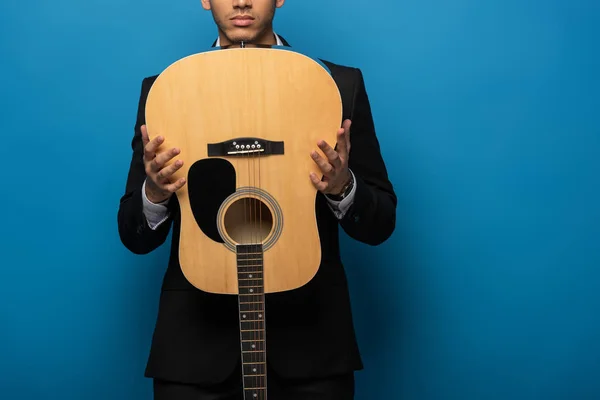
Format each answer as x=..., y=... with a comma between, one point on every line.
x=311, y=351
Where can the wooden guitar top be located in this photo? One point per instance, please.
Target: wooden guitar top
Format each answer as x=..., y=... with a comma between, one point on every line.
x=212, y=105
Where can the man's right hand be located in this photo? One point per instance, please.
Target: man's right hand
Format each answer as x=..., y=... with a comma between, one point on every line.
x=158, y=183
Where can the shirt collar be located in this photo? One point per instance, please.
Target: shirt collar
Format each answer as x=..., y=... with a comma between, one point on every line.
x=279, y=42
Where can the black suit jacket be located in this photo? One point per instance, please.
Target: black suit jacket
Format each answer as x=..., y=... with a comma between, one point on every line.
x=309, y=331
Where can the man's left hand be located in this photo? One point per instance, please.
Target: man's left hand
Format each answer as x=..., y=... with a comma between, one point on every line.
x=336, y=174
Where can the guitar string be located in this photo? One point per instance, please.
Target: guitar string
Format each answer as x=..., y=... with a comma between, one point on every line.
x=242, y=241
x=260, y=288
x=256, y=250
x=261, y=344
x=259, y=324
x=258, y=328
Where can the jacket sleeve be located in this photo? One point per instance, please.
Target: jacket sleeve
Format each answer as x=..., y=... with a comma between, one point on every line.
x=134, y=231
x=372, y=217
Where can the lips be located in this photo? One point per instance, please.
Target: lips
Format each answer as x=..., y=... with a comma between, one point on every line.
x=242, y=20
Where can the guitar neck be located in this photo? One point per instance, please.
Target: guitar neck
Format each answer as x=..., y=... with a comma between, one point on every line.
x=252, y=321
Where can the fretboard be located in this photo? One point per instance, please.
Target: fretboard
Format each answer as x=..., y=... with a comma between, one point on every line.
x=252, y=321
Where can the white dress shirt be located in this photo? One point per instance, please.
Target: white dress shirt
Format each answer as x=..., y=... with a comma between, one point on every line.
x=157, y=213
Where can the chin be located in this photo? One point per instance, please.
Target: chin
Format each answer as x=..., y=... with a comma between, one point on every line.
x=237, y=35
x=241, y=38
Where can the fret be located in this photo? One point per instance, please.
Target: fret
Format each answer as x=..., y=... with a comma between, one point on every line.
x=247, y=324
x=255, y=278
x=251, y=298
x=254, y=269
x=255, y=326
x=254, y=317
x=253, y=335
x=251, y=306
x=255, y=381
x=245, y=251
x=247, y=281
x=250, y=279
x=256, y=323
x=243, y=273
x=249, y=269
x=249, y=262
x=253, y=357
x=249, y=265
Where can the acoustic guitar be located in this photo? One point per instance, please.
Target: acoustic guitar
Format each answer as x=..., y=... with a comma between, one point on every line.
x=246, y=119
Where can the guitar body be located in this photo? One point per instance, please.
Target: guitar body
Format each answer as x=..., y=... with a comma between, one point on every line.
x=272, y=97
x=246, y=121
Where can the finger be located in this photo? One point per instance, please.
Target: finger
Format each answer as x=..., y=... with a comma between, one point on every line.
x=325, y=167
x=175, y=186
x=150, y=150
x=318, y=183
x=332, y=155
x=162, y=158
x=166, y=172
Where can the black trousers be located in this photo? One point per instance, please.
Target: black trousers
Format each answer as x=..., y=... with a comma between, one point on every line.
x=333, y=388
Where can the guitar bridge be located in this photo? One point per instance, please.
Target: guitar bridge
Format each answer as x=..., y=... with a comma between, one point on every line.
x=244, y=147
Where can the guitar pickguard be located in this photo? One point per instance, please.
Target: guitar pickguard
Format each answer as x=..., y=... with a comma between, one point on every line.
x=210, y=182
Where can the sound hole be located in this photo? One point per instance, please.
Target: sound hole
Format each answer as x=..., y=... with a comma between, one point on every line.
x=248, y=221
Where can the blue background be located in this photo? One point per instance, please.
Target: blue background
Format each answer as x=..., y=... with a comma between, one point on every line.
x=487, y=113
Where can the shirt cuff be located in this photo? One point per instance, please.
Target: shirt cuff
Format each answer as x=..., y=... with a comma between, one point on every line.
x=340, y=208
x=156, y=213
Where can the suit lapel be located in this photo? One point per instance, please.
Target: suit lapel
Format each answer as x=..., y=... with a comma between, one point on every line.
x=283, y=41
